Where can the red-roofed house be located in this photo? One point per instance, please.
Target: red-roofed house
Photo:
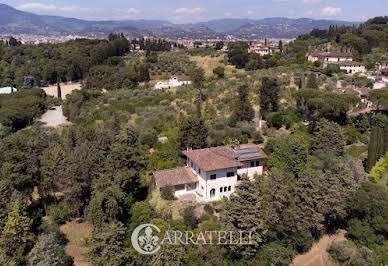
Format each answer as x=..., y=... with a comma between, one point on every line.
x=212, y=173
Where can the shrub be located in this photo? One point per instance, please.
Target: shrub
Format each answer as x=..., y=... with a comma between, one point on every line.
x=189, y=217
x=61, y=212
x=244, y=139
x=167, y=192
x=257, y=138
x=380, y=168
x=340, y=251
x=208, y=209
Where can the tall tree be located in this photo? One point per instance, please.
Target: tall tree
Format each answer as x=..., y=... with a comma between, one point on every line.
x=248, y=198
x=106, y=245
x=192, y=132
x=269, y=95
x=197, y=76
x=16, y=235
x=328, y=135
x=312, y=82
x=59, y=91
x=242, y=109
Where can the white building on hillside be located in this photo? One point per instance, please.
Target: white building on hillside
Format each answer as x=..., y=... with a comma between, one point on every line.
x=330, y=57
x=351, y=67
x=173, y=82
x=213, y=173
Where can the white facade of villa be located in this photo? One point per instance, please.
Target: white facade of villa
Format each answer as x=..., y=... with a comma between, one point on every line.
x=213, y=173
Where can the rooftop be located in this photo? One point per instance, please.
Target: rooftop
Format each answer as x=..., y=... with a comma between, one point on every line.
x=7, y=90
x=212, y=159
x=175, y=176
x=249, y=153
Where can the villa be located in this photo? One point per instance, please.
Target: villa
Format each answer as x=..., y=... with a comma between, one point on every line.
x=350, y=67
x=213, y=173
x=330, y=57
x=173, y=82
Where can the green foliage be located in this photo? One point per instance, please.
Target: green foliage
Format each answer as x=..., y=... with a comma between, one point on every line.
x=312, y=82
x=368, y=215
x=380, y=168
x=18, y=110
x=246, y=197
x=340, y=251
x=238, y=53
x=62, y=212
x=189, y=218
x=269, y=95
x=361, y=123
x=49, y=251
x=219, y=72
x=242, y=108
x=192, y=133
x=16, y=236
x=167, y=192
x=328, y=135
x=315, y=104
x=257, y=138
x=379, y=98
x=106, y=245
x=290, y=152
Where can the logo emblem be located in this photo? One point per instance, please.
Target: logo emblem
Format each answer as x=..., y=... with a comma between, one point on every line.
x=143, y=241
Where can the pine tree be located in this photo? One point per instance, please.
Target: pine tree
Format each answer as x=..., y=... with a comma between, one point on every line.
x=192, y=133
x=244, y=211
x=16, y=235
x=243, y=109
x=106, y=245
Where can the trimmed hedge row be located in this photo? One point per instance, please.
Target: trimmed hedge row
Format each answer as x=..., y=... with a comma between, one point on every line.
x=380, y=168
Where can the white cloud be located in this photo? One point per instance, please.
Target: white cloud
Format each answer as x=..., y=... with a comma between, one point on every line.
x=311, y=1
x=37, y=7
x=228, y=14
x=278, y=1
x=133, y=11
x=250, y=12
x=308, y=12
x=184, y=10
x=330, y=11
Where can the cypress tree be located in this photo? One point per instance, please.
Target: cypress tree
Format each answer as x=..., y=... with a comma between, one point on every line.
x=372, y=150
x=59, y=91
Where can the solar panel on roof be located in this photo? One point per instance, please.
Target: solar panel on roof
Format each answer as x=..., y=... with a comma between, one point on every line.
x=247, y=150
x=250, y=155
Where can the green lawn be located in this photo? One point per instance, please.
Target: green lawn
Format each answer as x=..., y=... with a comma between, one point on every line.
x=356, y=151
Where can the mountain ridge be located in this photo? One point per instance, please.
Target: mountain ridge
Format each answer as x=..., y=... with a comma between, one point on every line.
x=14, y=21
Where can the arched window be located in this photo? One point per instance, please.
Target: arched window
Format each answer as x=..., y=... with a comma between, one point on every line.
x=212, y=192
x=229, y=188
x=220, y=189
x=225, y=189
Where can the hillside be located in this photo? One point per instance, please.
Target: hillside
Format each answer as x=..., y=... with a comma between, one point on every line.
x=13, y=21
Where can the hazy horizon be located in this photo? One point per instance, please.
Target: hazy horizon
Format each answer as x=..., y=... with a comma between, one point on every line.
x=182, y=12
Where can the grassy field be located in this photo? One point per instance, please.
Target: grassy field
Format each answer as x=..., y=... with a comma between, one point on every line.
x=208, y=63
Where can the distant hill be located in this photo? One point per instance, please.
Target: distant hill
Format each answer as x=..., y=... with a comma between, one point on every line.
x=13, y=21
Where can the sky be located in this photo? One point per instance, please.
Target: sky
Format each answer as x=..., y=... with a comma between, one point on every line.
x=185, y=11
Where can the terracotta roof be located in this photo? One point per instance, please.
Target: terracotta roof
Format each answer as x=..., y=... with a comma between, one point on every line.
x=337, y=55
x=175, y=176
x=184, y=79
x=214, y=158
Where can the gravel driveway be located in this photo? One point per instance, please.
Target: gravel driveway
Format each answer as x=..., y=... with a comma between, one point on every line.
x=53, y=117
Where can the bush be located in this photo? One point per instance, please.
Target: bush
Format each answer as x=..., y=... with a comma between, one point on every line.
x=167, y=192
x=189, y=217
x=275, y=120
x=340, y=251
x=257, y=138
x=380, y=168
x=61, y=212
x=244, y=139
x=208, y=209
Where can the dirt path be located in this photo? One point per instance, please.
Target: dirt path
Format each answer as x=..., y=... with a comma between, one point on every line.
x=76, y=231
x=317, y=255
x=53, y=117
x=65, y=89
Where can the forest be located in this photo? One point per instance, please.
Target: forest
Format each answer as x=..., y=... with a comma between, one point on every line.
x=326, y=168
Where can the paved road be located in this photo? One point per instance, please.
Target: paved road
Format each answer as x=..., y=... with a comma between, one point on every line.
x=53, y=117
